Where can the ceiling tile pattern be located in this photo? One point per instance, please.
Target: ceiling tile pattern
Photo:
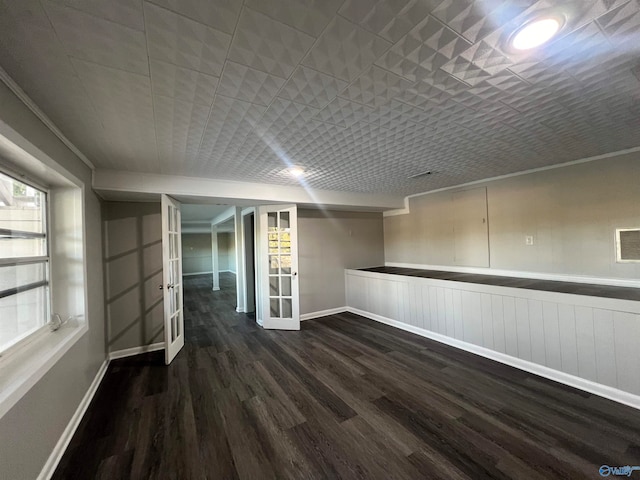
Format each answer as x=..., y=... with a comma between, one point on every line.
x=179, y=129
x=309, y=16
x=249, y=84
x=344, y=50
x=221, y=15
x=98, y=40
x=311, y=87
x=169, y=80
x=125, y=12
x=185, y=42
x=361, y=93
x=268, y=45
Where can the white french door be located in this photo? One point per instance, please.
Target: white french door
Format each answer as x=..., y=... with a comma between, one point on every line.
x=172, y=278
x=278, y=267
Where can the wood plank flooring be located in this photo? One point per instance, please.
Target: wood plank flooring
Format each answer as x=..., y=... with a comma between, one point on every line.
x=343, y=398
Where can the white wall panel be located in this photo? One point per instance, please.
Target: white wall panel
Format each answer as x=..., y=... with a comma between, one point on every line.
x=472, y=317
x=552, y=335
x=590, y=338
x=442, y=311
x=536, y=326
x=497, y=318
x=626, y=326
x=433, y=308
x=450, y=328
x=586, y=343
x=427, y=305
x=487, y=321
x=457, y=314
x=568, y=346
x=510, y=333
x=605, y=347
x=523, y=329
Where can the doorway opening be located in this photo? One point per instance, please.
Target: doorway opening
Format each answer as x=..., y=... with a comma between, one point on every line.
x=249, y=260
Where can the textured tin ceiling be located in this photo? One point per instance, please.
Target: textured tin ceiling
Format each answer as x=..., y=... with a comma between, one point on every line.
x=361, y=93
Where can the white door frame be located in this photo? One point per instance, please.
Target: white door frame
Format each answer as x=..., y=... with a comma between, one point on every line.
x=172, y=279
x=264, y=276
x=243, y=213
x=215, y=265
x=233, y=212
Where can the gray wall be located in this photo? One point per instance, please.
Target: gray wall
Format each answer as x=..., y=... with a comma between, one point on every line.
x=133, y=272
x=196, y=253
x=227, y=252
x=31, y=429
x=329, y=242
x=572, y=213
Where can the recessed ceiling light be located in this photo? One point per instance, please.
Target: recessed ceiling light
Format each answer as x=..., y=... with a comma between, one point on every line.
x=296, y=171
x=535, y=33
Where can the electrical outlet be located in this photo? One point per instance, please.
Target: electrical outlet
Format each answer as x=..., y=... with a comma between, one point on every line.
x=528, y=240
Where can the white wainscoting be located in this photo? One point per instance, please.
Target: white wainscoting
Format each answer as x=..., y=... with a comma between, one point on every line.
x=591, y=343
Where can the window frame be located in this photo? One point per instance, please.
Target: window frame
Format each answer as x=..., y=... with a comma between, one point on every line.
x=22, y=340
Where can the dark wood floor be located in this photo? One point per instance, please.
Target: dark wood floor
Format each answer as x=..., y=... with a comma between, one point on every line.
x=343, y=398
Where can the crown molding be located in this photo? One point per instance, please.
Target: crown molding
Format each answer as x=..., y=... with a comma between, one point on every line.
x=31, y=105
x=406, y=209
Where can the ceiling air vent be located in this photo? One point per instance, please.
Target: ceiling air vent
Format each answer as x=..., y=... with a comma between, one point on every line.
x=628, y=244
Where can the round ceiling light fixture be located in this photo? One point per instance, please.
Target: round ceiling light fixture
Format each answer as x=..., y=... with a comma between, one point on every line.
x=296, y=172
x=536, y=32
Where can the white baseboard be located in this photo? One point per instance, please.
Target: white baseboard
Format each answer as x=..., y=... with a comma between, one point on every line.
x=227, y=271
x=196, y=273
x=128, y=352
x=240, y=310
x=58, y=451
x=216, y=289
x=605, y=391
x=322, y=313
x=616, y=282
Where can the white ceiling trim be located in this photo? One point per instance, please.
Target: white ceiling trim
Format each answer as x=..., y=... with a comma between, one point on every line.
x=224, y=216
x=260, y=193
x=31, y=105
x=405, y=210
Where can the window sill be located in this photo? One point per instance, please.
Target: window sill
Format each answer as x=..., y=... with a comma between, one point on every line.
x=24, y=367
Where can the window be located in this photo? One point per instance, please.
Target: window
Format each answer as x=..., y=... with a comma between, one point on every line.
x=24, y=261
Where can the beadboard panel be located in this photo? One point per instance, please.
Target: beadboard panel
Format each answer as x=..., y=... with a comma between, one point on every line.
x=591, y=338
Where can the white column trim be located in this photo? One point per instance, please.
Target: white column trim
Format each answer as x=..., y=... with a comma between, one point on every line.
x=215, y=265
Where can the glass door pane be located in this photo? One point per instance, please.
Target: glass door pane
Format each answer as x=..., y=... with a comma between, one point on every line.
x=279, y=264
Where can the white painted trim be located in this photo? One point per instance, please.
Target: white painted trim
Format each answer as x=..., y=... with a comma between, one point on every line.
x=405, y=209
x=216, y=289
x=611, y=393
x=31, y=105
x=322, y=313
x=240, y=310
x=58, y=451
x=230, y=191
x=196, y=273
x=129, y=352
x=223, y=217
x=227, y=271
x=282, y=324
x=560, y=277
x=20, y=371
